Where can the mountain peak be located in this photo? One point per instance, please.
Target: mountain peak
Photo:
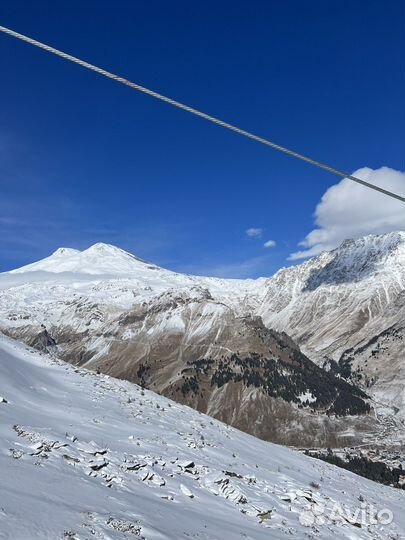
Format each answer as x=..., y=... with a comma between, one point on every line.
x=357, y=259
x=98, y=259
x=102, y=246
x=382, y=242
x=101, y=249
x=64, y=251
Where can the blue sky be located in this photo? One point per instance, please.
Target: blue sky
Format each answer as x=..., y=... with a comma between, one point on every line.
x=83, y=159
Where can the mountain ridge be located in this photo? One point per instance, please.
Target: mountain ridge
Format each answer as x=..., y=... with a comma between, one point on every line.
x=212, y=343
x=389, y=242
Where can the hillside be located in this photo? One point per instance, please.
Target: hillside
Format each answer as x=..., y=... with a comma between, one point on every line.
x=86, y=456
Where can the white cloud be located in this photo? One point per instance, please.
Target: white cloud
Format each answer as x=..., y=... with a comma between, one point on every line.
x=269, y=244
x=350, y=210
x=254, y=232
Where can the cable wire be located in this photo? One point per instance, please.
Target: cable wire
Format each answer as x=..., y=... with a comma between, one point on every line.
x=196, y=112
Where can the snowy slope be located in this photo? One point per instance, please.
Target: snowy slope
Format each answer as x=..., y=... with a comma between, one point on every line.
x=85, y=456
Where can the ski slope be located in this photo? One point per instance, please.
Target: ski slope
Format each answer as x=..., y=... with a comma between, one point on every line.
x=85, y=456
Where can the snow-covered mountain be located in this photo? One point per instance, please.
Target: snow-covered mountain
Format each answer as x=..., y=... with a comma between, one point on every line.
x=224, y=346
x=98, y=259
x=85, y=456
x=347, y=307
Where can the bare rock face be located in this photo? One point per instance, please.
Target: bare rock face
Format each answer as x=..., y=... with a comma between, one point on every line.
x=232, y=348
x=237, y=371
